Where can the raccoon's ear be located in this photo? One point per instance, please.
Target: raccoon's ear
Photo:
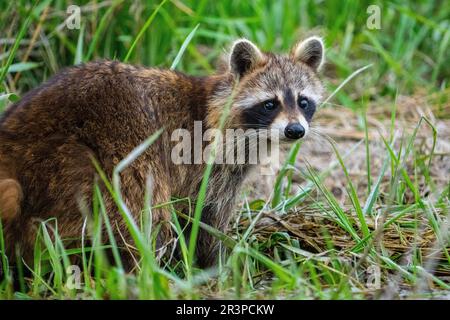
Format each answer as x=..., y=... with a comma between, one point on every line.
x=310, y=51
x=244, y=57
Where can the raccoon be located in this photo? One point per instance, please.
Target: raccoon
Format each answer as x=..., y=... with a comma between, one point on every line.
x=102, y=110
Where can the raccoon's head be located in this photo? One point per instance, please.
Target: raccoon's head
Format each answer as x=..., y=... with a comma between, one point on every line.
x=276, y=92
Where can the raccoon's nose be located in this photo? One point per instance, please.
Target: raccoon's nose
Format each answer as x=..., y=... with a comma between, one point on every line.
x=294, y=131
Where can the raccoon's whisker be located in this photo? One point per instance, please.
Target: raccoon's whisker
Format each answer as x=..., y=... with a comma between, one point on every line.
x=317, y=137
x=315, y=130
x=317, y=134
x=323, y=135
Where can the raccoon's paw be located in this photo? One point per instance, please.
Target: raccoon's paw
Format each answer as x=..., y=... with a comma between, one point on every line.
x=10, y=198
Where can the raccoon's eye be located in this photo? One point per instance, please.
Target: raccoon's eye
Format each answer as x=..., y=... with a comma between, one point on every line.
x=303, y=102
x=270, y=105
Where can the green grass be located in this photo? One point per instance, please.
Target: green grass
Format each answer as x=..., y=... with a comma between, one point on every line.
x=407, y=56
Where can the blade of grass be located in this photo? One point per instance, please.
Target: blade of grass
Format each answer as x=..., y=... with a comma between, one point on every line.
x=183, y=47
x=142, y=31
x=350, y=77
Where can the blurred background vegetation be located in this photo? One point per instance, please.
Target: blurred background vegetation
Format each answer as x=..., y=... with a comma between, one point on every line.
x=410, y=50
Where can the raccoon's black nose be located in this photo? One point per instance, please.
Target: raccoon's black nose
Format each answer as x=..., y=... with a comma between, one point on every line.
x=294, y=131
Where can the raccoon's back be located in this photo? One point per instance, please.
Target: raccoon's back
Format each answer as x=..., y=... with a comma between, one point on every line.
x=102, y=104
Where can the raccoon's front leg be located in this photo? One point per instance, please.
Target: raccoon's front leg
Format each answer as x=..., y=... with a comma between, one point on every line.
x=218, y=210
x=208, y=247
x=217, y=215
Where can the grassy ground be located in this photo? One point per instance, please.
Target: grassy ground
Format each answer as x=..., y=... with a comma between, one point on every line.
x=360, y=210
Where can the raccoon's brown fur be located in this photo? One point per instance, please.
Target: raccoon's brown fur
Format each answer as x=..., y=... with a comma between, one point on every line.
x=103, y=110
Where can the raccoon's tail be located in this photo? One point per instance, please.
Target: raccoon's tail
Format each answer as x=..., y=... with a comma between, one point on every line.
x=10, y=195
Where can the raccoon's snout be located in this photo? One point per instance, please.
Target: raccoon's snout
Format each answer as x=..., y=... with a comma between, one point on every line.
x=294, y=131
